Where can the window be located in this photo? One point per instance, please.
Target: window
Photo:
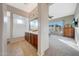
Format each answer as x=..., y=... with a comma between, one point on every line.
x=19, y=21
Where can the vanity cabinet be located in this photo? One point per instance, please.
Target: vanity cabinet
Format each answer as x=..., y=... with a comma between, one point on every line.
x=69, y=32
x=32, y=39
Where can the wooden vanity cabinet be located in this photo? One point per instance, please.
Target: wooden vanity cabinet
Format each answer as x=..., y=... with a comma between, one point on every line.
x=69, y=32
x=32, y=39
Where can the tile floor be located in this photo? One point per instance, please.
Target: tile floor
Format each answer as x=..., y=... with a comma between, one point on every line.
x=21, y=48
x=62, y=46
x=58, y=46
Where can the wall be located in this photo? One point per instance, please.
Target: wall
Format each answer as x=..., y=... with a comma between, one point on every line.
x=7, y=24
x=76, y=15
x=43, y=40
x=20, y=26
x=1, y=28
x=77, y=11
x=66, y=19
x=8, y=27
x=6, y=31
x=17, y=30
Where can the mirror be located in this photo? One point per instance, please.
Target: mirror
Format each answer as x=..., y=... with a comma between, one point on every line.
x=34, y=25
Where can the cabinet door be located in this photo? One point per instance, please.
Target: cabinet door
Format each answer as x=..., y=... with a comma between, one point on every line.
x=69, y=32
x=35, y=41
x=66, y=31
x=31, y=38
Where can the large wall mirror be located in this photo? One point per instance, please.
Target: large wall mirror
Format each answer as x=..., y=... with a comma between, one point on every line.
x=34, y=25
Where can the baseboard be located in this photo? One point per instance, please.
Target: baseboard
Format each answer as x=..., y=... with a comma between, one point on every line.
x=40, y=53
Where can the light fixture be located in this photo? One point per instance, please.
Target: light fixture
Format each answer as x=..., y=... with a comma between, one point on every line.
x=50, y=17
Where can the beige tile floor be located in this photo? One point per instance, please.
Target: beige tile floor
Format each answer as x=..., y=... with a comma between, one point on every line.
x=21, y=48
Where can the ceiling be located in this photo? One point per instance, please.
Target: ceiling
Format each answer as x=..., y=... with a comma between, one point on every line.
x=55, y=9
x=27, y=7
x=61, y=9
